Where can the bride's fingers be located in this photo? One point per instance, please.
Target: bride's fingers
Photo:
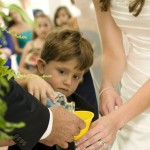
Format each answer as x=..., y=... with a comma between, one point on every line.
x=97, y=145
x=97, y=142
x=93, y=142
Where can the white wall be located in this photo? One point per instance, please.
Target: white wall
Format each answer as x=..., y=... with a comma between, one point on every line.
x=54, y=4
x=49, y=6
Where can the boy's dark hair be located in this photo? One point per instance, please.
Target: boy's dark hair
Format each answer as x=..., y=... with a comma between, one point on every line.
x=67, y=44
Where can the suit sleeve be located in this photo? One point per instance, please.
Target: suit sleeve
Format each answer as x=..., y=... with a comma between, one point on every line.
x=22, y=106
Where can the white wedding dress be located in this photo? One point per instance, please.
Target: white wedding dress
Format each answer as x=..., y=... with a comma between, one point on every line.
x=136, y=134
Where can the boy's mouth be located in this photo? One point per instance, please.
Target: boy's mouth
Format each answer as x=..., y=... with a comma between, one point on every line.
x=63, y=89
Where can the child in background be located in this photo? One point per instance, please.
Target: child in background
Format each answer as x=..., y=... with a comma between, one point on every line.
x=33, y=48
x=62, y=17
x=66, y=56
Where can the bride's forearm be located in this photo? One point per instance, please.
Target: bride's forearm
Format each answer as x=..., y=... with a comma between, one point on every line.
x=112, y=69
x=135, y=106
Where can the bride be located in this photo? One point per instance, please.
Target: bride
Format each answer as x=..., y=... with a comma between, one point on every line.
x=126, y=116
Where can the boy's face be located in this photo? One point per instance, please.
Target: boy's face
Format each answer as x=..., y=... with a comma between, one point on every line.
x=65, y=75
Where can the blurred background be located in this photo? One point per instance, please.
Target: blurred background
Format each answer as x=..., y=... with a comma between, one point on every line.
x=48, y=6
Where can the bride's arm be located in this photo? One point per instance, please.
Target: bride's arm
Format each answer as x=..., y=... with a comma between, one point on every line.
x=107, y=127
x=113, y=62
x=136, y=105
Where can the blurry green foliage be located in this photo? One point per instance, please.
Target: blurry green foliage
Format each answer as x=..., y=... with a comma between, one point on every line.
x=6, y=127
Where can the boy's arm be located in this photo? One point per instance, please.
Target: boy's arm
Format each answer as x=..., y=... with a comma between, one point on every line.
x=32, y=83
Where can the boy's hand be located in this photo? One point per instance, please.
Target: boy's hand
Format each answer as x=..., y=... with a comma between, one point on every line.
x=38, y=87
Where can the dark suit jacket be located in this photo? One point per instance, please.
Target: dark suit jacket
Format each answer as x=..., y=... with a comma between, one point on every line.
x=22, y=106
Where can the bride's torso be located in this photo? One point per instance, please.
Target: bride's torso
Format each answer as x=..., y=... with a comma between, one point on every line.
x=137, y=32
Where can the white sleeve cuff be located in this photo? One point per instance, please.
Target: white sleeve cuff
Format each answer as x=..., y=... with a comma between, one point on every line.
x=49, y=127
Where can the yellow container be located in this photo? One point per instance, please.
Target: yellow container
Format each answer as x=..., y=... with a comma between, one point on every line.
x=87, y=116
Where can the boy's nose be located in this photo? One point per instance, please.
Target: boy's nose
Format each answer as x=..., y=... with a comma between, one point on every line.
x=68, y=80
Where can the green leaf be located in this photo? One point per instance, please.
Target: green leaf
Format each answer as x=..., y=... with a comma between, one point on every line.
x=5, y=126
x=4, y=83
x=2, y=61
x=11, y=74
x=2, y=93
x=4, y=136
x=3, y=108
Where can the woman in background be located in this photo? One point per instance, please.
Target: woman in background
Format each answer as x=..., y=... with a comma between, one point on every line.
x=6, y=44
x=20, y=25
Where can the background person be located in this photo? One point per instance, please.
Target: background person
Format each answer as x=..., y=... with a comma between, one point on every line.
x=32, y=50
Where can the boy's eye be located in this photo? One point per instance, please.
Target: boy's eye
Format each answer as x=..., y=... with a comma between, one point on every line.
x=76, y=77
x=61, y=71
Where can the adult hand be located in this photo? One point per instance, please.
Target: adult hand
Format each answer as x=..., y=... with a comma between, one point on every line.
x=38, y=87
x=100, y=135
x=65, y=126
x=109, y=100
x=6, y=143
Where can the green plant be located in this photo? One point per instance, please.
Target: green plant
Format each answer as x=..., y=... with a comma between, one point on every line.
x=5, y=126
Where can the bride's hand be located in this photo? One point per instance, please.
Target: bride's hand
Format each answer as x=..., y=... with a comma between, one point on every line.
x=101, y=134
x=109, y=99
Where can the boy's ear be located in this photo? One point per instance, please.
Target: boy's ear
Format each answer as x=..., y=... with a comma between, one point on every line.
x=41, y=66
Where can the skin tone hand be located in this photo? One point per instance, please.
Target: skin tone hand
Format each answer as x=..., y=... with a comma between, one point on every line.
x=38, y=87
x=6, y=143
x=65, y=126
x=6, y=52
x=104, y=128
x=109, y=99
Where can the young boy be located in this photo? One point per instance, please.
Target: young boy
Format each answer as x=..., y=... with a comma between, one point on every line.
x=66, y=56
